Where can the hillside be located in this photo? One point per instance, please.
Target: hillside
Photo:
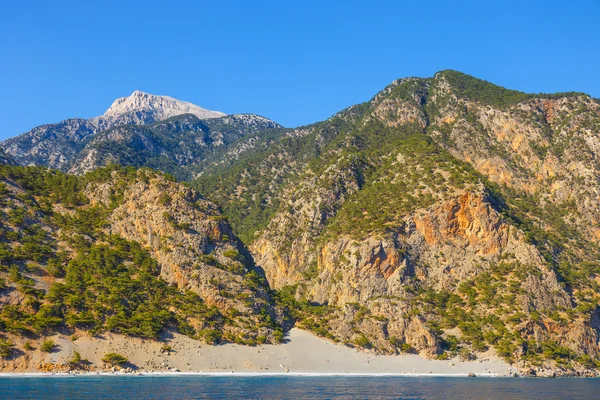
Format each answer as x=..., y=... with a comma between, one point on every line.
x=124, y=251
x=180, y=145
x=446, y=215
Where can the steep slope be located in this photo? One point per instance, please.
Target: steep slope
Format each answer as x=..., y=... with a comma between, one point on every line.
x=543, y=149
x=55, y=145
x=445, y=215
x=124, y=251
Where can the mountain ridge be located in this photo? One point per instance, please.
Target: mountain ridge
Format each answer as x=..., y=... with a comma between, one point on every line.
x=57, y=145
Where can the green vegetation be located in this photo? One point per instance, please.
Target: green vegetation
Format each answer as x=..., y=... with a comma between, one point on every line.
x=114, y=359
x=249, y=189
x=231, y=253
x=362, y=341
x=311, y=316
x=76, y=361
x=385, y=198
x=102, y=282
x=475, y=89
x=48, y=346
x=406, y=348
x=76, y=358
x=6, y=348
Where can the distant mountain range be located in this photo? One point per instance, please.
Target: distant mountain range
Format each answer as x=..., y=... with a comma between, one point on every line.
x=446, y=216
x=79, y=145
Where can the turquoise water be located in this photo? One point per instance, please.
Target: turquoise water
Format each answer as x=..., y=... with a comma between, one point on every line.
x=296, y=387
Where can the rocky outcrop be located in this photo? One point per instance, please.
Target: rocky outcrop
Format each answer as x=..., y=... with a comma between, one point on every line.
x=187, y=235
x=142, y=107
x=543, y=147
x=441, y=246
x=4, y=159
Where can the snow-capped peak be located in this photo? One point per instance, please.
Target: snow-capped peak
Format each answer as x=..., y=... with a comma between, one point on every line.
x=162, y=107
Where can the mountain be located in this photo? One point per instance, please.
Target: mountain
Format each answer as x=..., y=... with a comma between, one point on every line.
x=147, y=107
x=181, y=145
x=446, y=215
x=125, y=251
x=60, y=145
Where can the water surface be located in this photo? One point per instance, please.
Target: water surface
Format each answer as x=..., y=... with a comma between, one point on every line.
x=294, y=387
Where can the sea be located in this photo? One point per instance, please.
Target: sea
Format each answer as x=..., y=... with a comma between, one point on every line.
x=294, y=387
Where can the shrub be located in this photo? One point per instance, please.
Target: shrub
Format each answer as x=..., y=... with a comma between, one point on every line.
x=6, y=348
x=450, y=343
x=505, y=348
x=231, y=254
x=55, y=268
x=278, y=336
x=394, y=341
x=165, y=199
x=211, y=336
x=114, y=359
x=406, y=348
x=362, y=341
x=555, y=351
x=48, y=346
x=465, y=354
x=76, y=360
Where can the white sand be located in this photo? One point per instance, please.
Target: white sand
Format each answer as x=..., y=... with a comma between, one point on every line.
x=303, y=353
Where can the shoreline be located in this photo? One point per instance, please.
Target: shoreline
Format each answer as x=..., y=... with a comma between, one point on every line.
x=302, y=354
x=243, y=374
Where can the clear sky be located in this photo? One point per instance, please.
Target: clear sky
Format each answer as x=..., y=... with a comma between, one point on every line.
x=295, y=62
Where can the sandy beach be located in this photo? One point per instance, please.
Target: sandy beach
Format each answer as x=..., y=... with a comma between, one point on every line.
x=302, y=353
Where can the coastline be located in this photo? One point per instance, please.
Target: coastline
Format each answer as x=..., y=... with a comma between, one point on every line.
x=302, y=354
x=235, y=374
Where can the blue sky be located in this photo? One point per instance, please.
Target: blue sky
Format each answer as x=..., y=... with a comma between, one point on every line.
x=296, y=62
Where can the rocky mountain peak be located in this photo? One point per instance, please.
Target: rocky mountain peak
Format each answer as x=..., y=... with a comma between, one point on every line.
x=162, y=107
